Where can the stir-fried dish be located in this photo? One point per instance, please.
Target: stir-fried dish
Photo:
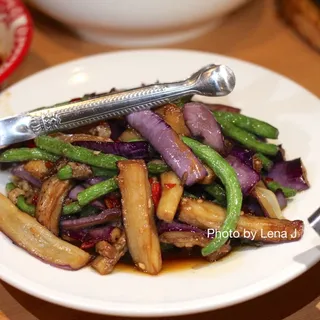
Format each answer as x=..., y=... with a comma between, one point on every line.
x=188, y=176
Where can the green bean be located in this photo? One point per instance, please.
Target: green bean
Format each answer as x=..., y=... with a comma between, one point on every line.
x=96, y=191
x=71, y=208
x=26, y=207
x=228, y=177
x=274, y=186
x=10, y=186
x=157, y=168
x=217, y=191
x=266, y=162
x=26, y=154
x=65, y=173
x=101, y=172
x=258, y=127
x=79, y=154
x=248, y=139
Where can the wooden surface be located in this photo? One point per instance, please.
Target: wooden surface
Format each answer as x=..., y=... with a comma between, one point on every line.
x=255, y=34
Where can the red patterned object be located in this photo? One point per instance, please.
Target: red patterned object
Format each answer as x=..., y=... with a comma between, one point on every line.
x=15, y=35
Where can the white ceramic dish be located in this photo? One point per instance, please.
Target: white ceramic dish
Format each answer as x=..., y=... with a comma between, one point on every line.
x=141, y=22
x=243, y=275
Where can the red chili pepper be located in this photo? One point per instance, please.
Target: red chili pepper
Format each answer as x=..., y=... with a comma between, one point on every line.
x=169, y=185
x=30, y=144
x=35, y=199
x=88, y=245
x=49, y=164
x=268, y=179
x=155, y=191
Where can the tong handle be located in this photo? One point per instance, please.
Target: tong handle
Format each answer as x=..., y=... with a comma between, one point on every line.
x=212, y=80
x=72, y=115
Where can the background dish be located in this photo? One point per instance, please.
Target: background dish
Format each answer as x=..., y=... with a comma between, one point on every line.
x=260, y=93
x=15, y=35
x=142, y=23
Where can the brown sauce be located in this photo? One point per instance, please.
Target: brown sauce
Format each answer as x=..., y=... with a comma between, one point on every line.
x=172, y=261
x=178, y=260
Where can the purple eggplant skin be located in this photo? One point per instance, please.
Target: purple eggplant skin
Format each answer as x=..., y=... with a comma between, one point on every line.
x=95, y=180
x=92, y=220
x=201, y=122
x=247, y=177
x=74, y=192
x=281, y=199
x=129, y=150
x=245, y=155
x=50, y=202
x=290, y=174
x=27, y=233
x=166, y=141
x=78, y=188
x=176, y=226
x=104, y=233
x=20, y=172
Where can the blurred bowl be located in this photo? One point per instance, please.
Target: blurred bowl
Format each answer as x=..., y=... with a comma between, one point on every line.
x=140, y=22
x=15, y=36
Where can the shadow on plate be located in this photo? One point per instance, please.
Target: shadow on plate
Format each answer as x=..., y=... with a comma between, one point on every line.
x=307, y=257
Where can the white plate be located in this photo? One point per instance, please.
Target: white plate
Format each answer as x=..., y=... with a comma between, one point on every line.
x=243, y=275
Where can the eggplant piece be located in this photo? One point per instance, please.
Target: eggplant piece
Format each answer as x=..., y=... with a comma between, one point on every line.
x=171, y=194
x=165, y=140
x=290, y=174
x=23, y=174
x=220, y=253
x=109, y=255
x=29, y=234
x=138, y=216
x=129, y=150
x=105, y=216
x=93, y=235
x=178, y=226
x=184, y=239
x=207, y=215
x=188, y=239
x=37, y=168
x=247, y=177
x=203, y=124
x=173, y=116
x=50, y=201
x=282, y=200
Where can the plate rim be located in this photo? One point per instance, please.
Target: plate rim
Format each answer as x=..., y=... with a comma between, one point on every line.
x=196, y=305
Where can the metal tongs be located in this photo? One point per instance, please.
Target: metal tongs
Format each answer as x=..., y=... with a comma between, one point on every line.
x=212, y=80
